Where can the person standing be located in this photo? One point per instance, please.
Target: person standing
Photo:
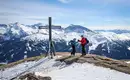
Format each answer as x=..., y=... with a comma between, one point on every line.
x=73, y=45
x=87, y=46
x=83, y=43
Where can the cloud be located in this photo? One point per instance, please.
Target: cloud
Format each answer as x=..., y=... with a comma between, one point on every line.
x=31, y=12
x=109, y=1
x=9, y=14
x=37, y=18
x=64, y=1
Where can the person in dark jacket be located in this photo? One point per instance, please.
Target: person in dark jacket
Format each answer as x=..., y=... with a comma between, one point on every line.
x=73, y=45
x=83, y=43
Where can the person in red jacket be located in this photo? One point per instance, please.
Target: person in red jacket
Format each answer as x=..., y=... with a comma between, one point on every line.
x=83, y=43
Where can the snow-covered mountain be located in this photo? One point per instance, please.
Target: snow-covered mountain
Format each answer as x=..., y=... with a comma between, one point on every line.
x=117, y=31
x=19, y=41
x=76, y=28
x=36, y=25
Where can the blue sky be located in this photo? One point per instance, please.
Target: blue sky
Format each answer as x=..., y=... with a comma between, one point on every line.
x=94, y=14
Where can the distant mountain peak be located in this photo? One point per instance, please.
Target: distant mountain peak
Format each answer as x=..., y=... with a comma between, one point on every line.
x=39, y=24
x=76, y=28
x=117, y=31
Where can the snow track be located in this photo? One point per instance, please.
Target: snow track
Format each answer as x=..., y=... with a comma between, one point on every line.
x=44, y=65
x=20, y=69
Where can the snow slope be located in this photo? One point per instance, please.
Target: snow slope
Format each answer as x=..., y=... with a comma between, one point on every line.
x=60, y=71
x=128, y=48
x=85, y=71
x=9, y=73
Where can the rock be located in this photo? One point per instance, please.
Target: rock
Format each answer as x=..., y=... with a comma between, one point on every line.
x=44, y=78
x=31, y=76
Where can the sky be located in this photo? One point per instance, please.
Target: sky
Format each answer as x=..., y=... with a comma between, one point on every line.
x=93, y=14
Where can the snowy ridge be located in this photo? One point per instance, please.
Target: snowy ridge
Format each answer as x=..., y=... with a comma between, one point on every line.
x=84, y=71
x=60, y=71
x=28, y=30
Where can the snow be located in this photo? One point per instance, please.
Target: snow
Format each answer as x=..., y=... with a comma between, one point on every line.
x=25, y=56
x=8, y=73
x=2, y=30
x=20, y=29
x=32, y=66
x=36, y=37
x=60, y=35
x=60, y=71
x=128, y=62
x=29, y=30
x=128, y=48
x=113, y=36
x=15, y=31
x=78, y=71
x=72, y=35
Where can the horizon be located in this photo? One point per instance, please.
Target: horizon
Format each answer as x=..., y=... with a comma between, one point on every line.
x=94, y=28
x=92, y=14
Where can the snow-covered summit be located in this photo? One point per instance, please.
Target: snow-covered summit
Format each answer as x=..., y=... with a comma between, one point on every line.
x=76, y=28
x=62, y=71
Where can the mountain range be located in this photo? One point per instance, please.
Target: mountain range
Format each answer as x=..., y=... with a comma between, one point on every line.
x=18, y=41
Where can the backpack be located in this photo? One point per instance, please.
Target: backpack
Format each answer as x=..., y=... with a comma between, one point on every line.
x=72, y=43
x=87, y=41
